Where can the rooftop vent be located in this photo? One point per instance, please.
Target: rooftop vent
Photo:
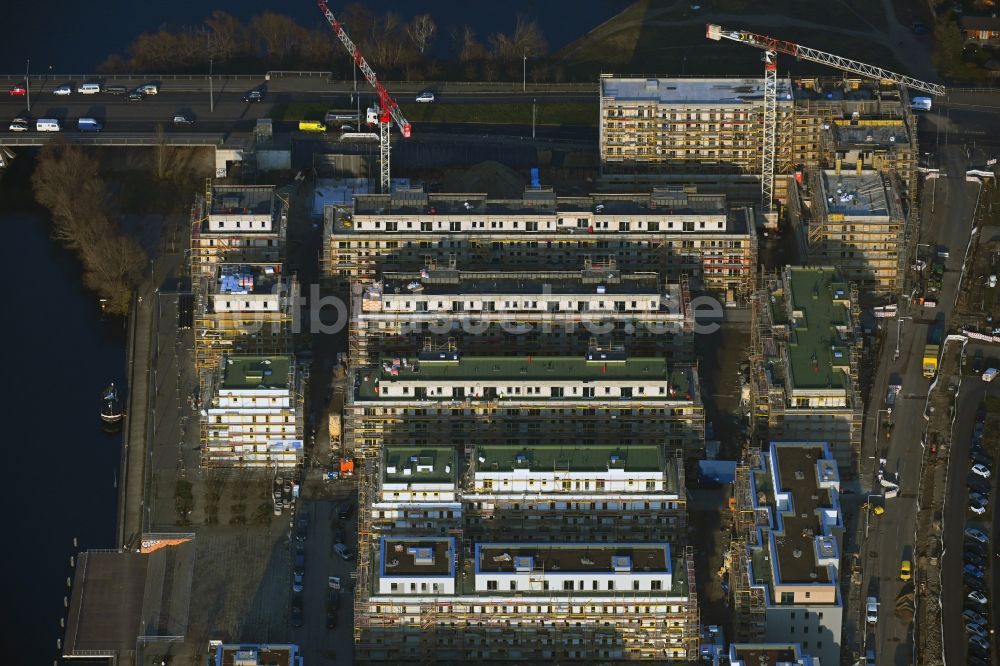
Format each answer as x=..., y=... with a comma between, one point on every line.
x=621, y=562
x=524, y=563
x=422, y=555
x=796, y=553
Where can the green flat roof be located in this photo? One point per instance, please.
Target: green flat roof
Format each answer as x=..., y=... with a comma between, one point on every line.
x=549, y=457
x=815, y=348
x=531, y=368
x=401, y=457
x=250, y=372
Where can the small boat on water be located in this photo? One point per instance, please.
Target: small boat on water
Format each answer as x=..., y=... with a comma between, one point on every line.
x=111, y=407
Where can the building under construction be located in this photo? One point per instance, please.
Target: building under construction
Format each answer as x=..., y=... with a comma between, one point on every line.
x=243, y=308
x=673, y=231
x=856, y=221
x=252, y=414
x=673, y=126
x=804, y=370
x=521, y=312
x=237, y=224
x=785, y=554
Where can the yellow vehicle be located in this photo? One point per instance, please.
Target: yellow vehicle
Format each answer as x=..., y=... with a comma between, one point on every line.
x=311, y=126
x=877, y=509
x=905, y=570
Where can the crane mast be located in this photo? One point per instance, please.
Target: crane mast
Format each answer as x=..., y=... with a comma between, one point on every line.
x=772, y=47
x=388, y=110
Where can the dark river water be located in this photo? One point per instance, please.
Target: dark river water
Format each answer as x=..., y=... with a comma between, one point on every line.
x=60, y=466
x=73, y=36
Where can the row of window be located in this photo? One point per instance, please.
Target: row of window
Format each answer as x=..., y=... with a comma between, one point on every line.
x=570, y=585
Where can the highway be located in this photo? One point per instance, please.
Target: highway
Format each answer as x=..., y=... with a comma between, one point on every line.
x=890, y=540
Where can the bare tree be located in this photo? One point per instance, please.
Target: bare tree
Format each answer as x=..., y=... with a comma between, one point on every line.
x=471, y=49
x=421, y=31
x=230, y=38
x=528, y=37
x=279, y=34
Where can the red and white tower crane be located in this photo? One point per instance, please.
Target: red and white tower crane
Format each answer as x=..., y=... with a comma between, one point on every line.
x=772, y=47
x=388, y=110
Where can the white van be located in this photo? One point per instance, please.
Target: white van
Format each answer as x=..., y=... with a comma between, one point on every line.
x=46, y=125
x=89, y=88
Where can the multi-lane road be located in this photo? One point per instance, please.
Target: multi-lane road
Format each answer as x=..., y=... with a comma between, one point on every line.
x=890, y=540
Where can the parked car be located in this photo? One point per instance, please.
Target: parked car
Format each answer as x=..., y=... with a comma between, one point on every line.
x=979, y=497
x=977, y=535
x=973, y=570
x=63, y=90
x=331, y=618
x=973, y=583
x=297, y=580
x=976, y=660
x=977, y=508
x=297, y=601
x=977, y=547
x=978, y=483
x=301, y=528
x=425, y=97
x=340, y=536
x=980, y=457
x=343, y=551
x=981, y=470
x=19, y=125
x=976, y=630
x=905, y=570
x=974, y=559
x=979, y=642
x=18, y=90
x=972, y=616
x=334, y=600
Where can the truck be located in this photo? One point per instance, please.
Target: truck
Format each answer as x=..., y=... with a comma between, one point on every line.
x=890, y=395
x=931, y=353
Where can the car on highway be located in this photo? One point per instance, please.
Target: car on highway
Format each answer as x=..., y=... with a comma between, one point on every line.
x=63, y=90
x=18, y=90
x=425, y=97
x=975, y=629
x=183, y=119
x=19, y=125
x=979, y=642
x=978, y=597
x=254, y=96
x=981, y=470
x=136, y=96
x=116, y=90
x=977, y=535
x=149, y=89
x=297, y=580
x=972, y=616
x=905, y=570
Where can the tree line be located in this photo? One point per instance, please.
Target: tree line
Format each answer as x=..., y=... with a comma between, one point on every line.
x=68, y=182
x=394, y=46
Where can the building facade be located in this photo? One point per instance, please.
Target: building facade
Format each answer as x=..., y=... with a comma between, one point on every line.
x=251, y=413
x=675, y=232
x=243, y=224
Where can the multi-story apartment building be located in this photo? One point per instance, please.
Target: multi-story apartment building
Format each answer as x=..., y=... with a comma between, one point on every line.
x=246, y=654
x=696, y=124
x=857, y=222
x=786, y=554
x=243, y=308
x=251, y=413
x=520, y=312
x=237, y=224
x=804, y=368
x=446, y=397
x=431, y=598
x=675, y=232
x=769, y=654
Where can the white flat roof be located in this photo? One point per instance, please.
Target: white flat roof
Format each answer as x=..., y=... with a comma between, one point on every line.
x=692, y=91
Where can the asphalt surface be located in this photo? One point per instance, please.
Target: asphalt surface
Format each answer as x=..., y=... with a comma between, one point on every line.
x=947, y=221
x=957, y=516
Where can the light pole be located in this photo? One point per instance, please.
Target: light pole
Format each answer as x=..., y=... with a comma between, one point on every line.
x=868, y=512
x=27, y=86
x=524, y=73
x=211, y=91
x=899, y=323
